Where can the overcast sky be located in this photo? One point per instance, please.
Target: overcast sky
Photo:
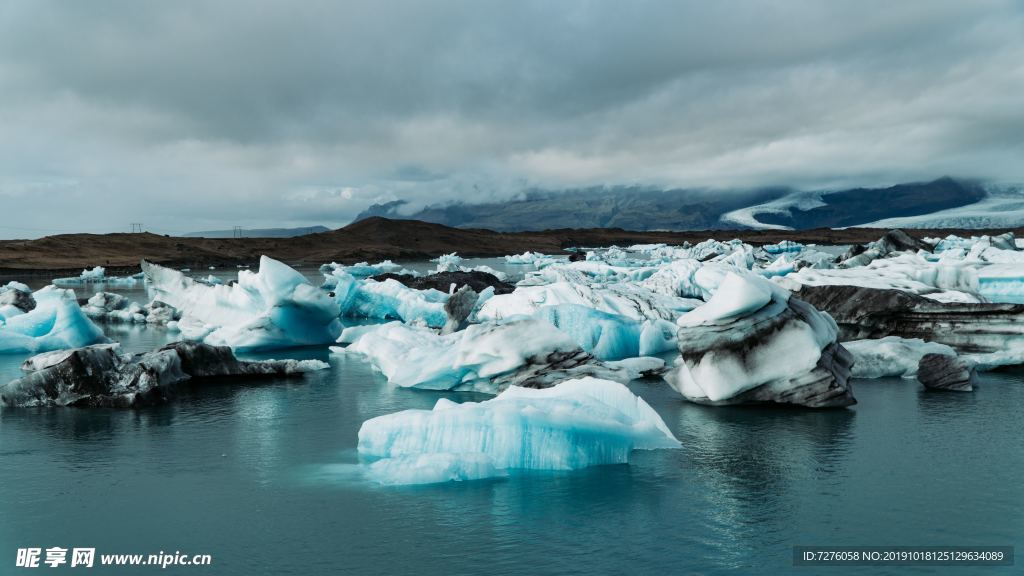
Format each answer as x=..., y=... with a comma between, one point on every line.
x=208, y=114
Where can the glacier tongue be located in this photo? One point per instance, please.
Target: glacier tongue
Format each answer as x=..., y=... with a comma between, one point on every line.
x=579, y=423
x=273, y=308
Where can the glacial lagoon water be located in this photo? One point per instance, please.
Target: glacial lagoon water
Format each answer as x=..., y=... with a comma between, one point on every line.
x=266, y=479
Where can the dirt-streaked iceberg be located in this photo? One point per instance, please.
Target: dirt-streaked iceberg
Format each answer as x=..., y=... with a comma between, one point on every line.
x=489, y=357
x=752, y=342
x=100, y=376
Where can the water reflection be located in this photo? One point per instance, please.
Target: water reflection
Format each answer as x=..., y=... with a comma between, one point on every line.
x=756, y=464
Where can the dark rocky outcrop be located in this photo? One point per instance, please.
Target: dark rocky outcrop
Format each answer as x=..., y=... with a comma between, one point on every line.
x=478, y=281
x=944, y=372
x=99, y=376
x=875, y=313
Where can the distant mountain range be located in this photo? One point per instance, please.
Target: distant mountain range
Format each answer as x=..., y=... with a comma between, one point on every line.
x=259, y=232
x=635, y=208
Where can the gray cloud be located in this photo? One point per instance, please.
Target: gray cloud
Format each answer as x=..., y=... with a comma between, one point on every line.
x=193, y=115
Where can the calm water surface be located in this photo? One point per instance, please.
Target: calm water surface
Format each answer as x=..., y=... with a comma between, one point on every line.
x=265, y=478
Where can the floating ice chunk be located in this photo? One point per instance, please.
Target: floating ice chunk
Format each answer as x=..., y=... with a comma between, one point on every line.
x=391, y=299
x=528, y=258
x=334, y=272
x=779, y=267
x=783, y=247
x=483, y=357
x=273, y=308
x=891, y=356
x=55, y=323
x=612, y=255
x=96, y=275
x=212, y=280
x=642, y=367
x=447, y=262
x=110, y=307
x=579, y=423
x=610, y=336
x=98, y=376
x=646, y=248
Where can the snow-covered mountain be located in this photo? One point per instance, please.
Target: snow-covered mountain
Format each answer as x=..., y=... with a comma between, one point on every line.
x=945, y=202
x=860, y=206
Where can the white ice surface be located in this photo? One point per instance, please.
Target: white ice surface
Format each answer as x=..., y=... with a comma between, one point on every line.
x=579, y=423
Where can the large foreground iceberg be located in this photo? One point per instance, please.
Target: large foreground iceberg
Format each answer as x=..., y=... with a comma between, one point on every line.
x=55, y=322
x=484, y=357
x=579, y=423
x=273, y=308
x=752, y=342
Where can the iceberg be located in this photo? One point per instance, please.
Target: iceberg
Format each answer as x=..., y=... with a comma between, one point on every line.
x=55, y=323
x=97, y=275
x=485, y=357
x=752, y=342
x=785, y=246
x=273, y=308
x=99, y=376
x=640, y=367
x=611, y=336
x=447, y=262
x=390, y=299
x=537, y=259
x=334, y=272
x=115, y=308
x=579, y=423
x=986, y=334
x=891, y=356
x=622, y=298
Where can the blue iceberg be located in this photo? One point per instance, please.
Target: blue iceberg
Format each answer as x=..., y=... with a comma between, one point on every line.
x=56, y=323
x=578, y=423
x=611, y=336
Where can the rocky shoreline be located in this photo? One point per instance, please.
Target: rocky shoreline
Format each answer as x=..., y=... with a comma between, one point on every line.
x=376, y=239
